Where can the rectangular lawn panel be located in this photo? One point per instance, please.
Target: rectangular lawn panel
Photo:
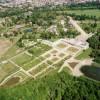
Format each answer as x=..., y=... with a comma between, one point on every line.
x=68, y=57
x=39, y=49
x=7, y=69
x=54, y=59
x=62, y=45
x=31, y=64
x=47, y=55
x=22, y=59
x=59, y=64
x=39, y=69
x=72, y=49
x=84, y=54
x=61, y=55
x=49, y=62
x=46, y=72
x=42, y=58
x=54, y=52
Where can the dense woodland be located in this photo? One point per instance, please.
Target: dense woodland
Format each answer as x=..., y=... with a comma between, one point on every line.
x=54, y=87
x=94, y=42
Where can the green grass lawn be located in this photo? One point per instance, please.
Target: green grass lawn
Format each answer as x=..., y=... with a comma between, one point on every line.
x=39, y=69
x=84, y=54
x=22, y=59
x=31, y=64
x=93, y=12
x=26, y=62
x=39, y=49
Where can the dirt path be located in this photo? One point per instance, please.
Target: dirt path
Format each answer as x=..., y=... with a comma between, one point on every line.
x=83, y=36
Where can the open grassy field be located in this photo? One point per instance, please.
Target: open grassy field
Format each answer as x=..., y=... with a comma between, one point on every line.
x=93, y=12
x=39, y=68
x=84, y=54
x=22, y=59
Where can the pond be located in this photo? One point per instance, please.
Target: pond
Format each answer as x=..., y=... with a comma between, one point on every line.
x=28, y=30
x=91, y=72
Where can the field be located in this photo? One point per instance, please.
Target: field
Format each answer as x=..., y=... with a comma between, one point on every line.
x=89, y=12
x=32, y=63
x=22, y=59
x=39, y=49
x=84, y=54
x=39, y=69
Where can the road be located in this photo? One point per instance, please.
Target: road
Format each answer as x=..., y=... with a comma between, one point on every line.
x=83, y=36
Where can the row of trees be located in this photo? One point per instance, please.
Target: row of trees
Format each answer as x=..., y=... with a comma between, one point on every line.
x=94, y=42
x=12, y=12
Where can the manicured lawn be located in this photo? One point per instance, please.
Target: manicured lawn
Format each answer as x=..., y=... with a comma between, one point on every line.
x=84, y=54
x=39, y=68
x=59, y=64
x=39, y=49
x=22, y=59
x=31, y=64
